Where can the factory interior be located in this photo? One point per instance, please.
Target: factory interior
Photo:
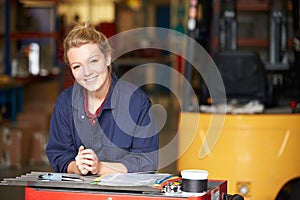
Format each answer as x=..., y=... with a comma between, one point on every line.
x=242, y=120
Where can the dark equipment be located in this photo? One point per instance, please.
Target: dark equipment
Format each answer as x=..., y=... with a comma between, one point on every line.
x=243, y=75
x=296, y=40
x=228, y=26
x=278, y=55
x=233, y=197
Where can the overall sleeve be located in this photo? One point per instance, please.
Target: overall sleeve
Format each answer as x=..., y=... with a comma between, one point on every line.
x=143, y=155
x=61, y=149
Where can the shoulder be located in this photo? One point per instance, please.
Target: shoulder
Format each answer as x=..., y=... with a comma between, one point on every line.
x=65, y=97
x=130, y=90
x=66, y=93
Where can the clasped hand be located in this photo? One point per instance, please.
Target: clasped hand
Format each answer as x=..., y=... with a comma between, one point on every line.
x=87, y=161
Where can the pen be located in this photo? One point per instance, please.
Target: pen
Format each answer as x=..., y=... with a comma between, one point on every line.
x=163, y=179
x=71, y=179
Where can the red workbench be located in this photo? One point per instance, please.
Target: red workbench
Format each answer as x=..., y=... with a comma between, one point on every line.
x=42, y=193
x=42, y=189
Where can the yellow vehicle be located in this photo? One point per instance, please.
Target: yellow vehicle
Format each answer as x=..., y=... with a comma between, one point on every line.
x=258, y=154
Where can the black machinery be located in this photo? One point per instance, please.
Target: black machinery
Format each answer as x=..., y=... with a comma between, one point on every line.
x=279, y=73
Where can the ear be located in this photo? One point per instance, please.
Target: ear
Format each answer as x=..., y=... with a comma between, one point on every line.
x=108, y=59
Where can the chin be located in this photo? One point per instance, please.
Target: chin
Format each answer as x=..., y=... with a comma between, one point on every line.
x=92, y=89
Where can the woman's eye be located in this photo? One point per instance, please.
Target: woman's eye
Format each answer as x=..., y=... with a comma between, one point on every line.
x=94, y=61
x=76, y=66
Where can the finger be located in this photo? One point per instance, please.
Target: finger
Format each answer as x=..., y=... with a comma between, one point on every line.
x=79, y=157
x=92, y=169
x=81, y=148
x=84, y=171
x=88, y=162
x=87, y=151
x=78, y=160
x=88, y=157
x=83, y=168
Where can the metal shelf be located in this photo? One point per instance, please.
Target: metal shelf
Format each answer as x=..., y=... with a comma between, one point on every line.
x=11, y=35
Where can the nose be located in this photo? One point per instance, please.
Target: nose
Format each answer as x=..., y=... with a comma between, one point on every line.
x=86, y=70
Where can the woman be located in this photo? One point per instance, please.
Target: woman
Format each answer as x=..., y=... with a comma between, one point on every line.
x=99, y=125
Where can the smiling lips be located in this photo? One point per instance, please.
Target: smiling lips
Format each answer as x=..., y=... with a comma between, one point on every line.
x=88, y=80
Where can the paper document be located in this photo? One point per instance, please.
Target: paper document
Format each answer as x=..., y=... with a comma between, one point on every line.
x=129, y=179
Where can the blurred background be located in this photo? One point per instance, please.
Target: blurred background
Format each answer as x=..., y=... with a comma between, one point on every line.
x=32, y=71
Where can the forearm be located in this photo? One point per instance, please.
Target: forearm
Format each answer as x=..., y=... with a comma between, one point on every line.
x=109, y=168
x=141, y=162
x=104, y=168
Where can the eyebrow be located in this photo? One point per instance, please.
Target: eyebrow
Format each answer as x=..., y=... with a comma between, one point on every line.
x=90, y=57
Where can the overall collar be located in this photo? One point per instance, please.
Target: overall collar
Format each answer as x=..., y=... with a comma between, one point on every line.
x=78, y=97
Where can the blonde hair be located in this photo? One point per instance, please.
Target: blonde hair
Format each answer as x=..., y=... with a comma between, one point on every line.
x=83, y=34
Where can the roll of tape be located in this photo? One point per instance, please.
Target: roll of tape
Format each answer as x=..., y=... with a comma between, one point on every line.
x=194, y=180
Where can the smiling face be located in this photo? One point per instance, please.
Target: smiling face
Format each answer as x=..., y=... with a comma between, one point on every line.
x=89, y=66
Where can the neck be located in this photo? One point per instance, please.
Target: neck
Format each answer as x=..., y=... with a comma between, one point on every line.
x=96, y=98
